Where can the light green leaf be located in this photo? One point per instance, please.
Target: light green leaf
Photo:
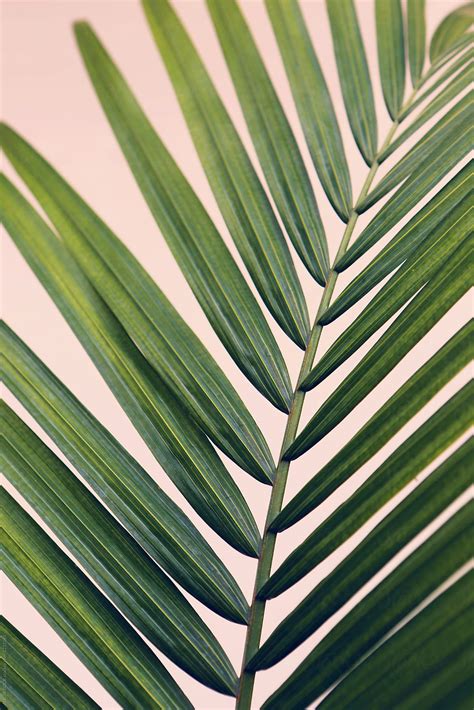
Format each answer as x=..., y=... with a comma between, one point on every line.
x=450, y=30
x=273, y=138
x=450, y=71
x=238, y=191
x=385, y=423
x=416, y=27
x=354, y=76
x=112, y=558
x=404, y=243
x=86, y=621
x=153, y=519
x=186, y=454
x=406, y=587
x=460, y=82
x=198, y=248
x=391, y=53
x=435, y=142
x=434, y=300
x=410, y=193
x=313, y=102
x=408, y=663
x=443, y=239
x=149, y=318
x=401, y=467
x=396, y=530
x=32, y=681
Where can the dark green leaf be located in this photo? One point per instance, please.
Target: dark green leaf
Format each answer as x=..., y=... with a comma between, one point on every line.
x=86, y=621
x=391, y=52
x=413, y=190
x=444, y=238
x=354, y=75
x=387, y=421
x=396, y=530
x=405, y=588
x=450, y=30
x=186, y=454
x=272, y=137
x=436, y=141
x=152, y=322
x=313, y=102
x=416, y=27
x=460, y=82
x=412, y=658
x=238, y=191
x=42, y=684
x=404, y=243
x=447, y=286
x=153, y=519
x=112, y=558
x=419, y=450
x=198, y=248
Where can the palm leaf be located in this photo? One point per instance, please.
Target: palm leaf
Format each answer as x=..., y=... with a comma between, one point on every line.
x=273, y=139
x=169, y=433
x=142, y=507
x=33, y=681
x=411, y=582
x=238, y=191
x=408, y=519
x=145, y=312
x=141, y=553
x=313, y=101
x=391, y=51
x=354, y=76
x=440, y=635
x=416, y=25
x=82, y=616
x=139, y=589
x=198, y=248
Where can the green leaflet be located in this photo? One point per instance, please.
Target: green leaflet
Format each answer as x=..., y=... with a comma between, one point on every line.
x=152, y=322
x=434, y=300
x=201, y=253
x=153, y=519
x=113, y=559
x=313, y=102
x=437, y=140
x=273, y=138
x=406, y=587
x=409, y=194
x=451, y=687
x=41, y=683
x=460, y=82
x=396, y=530
x=416, y=30
x=412, y=658
x=422, y=447
x=450, y=30
x=391, y=53
x=186, y=454
x=354, y=76
x=404, y=243
x=86, y=621
x=452, y=69
x=390, y=418
x=443, y=239
x=238, y=191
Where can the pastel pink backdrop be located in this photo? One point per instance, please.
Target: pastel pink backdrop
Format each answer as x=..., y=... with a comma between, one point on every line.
x=47, y=97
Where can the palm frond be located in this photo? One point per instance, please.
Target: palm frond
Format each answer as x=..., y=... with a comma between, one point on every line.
x=121, y=583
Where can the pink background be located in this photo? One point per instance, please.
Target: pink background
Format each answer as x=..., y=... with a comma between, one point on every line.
x=47, y=97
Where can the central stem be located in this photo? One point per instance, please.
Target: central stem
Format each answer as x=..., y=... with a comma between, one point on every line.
x=257, y=609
